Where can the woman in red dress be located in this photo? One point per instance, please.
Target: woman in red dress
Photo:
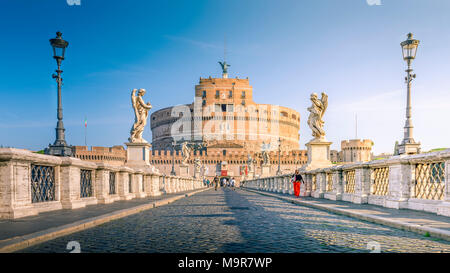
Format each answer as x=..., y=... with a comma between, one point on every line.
x=297, y=179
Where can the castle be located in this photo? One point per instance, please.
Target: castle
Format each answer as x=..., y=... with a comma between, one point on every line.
x=229, y=134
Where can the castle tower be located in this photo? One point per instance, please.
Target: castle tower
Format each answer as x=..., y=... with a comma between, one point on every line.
x=356, y=150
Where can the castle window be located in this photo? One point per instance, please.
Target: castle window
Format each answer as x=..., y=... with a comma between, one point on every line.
x=204, y=102
x=243, y=103
x=230, y=94
x=284, y=114
x=204, y=94
x=224, y=152
x=243, y=94
x=217, y=94
x=230, y=108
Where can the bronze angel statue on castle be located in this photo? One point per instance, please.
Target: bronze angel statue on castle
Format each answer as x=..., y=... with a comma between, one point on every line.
x=317, y=110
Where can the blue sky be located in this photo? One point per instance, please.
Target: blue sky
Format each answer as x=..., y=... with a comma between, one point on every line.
x=288, y=49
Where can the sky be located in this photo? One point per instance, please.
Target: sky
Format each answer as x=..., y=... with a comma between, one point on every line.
x=349, y=49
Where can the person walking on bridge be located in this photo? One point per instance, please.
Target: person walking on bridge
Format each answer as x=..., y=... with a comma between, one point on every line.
x=297, y=179
x=216, y=182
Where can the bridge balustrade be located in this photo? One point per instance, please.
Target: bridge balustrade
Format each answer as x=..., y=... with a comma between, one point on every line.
x=31, y=183
x=417, y=182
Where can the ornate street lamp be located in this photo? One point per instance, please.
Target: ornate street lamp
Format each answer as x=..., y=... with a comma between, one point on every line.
x=409, y=50
x=60, y=147
x=279, y=157
x=173, y=159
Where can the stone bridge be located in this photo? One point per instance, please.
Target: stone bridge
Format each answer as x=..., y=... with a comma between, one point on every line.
x=122, y=209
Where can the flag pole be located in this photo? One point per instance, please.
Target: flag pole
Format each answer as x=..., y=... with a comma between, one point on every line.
x=85, y=131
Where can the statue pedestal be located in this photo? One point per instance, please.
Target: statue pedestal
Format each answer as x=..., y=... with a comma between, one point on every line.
x=184, y=170
x=251, y=174
x=409, y=148
x=138, y=154
x=318, y=154
x=197, y=174
x=265, y=170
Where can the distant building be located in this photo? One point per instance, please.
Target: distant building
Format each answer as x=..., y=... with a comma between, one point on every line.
x=115, y=155
x=353, y=150
x=356, y=150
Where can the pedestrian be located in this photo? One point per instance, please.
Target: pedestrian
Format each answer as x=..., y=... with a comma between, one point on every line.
x=232, y=183
x=297, y=179
x=216, y=182
x=208, y=182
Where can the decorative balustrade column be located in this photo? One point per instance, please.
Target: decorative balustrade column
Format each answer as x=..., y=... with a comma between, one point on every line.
x=362, y=184
x=444, y=209
x=305, y=189
x=401, y=184
x=338, y=189
x=321, y=183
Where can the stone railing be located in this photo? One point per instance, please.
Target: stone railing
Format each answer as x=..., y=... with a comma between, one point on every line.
x=417, y=182
x=31, y=183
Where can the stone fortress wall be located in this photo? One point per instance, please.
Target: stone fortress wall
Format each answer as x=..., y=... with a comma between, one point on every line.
x=233, y=161
x=115, y=155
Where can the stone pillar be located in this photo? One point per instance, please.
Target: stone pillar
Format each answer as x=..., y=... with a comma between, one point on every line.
x=169, y=184
x=321, y=178
x=184, y=170
x=15, y=190
x=127, y=180
x=139, y=182
x=444, y=208
x=71, y=187
x=265, y=170
x=305, y=188
x=156, y=184
x=286, y=184
x=291, y=187
x=401, y=181
x=138, y=154
x=362, y=184
x=318, y=154
x=337, y=177
x=102, y=186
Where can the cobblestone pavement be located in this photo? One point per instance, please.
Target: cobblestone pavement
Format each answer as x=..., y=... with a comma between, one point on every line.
x=241, y=221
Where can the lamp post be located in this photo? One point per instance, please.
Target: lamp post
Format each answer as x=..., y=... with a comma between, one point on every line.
x=173, y=159
x=279, y=157
x=409, y=50
x=59, y=147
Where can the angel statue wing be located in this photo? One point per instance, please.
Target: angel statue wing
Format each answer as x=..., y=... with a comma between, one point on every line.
x=133, y=102
x=324, y=100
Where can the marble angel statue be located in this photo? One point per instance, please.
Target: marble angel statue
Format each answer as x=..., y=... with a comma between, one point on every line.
x=317, y=110
x=141, y=113
x=185, y=151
